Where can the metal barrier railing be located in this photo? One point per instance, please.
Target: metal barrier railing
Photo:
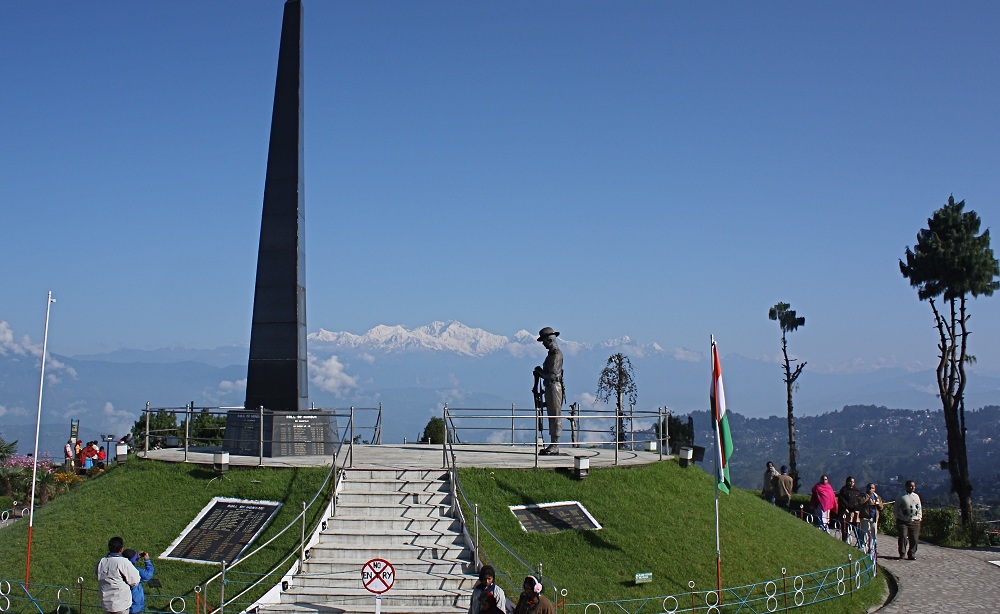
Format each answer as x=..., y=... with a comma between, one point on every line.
x=806, y=588
x=180, y=435
x=524, y=426
x=300, y=522
x=776, y=594
x=457, y=494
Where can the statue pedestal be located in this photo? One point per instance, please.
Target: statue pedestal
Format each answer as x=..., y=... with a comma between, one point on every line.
x=282, y=433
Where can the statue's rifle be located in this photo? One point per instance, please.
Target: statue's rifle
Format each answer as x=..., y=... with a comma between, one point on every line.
x=539, y=395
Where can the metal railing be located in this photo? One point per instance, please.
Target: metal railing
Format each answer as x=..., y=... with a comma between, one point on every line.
x=778, y=594
x=458, y=496
x=525, y=427
x=784, y=593
x=255, y=580
x=214, y=435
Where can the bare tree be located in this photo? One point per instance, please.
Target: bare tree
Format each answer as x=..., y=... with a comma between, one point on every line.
x=789, y=321
x=618, y=378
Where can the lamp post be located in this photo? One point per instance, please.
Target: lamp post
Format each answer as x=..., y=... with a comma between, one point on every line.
x=38, y=423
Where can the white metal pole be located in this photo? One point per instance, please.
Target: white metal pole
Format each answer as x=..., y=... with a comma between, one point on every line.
x=38, y=423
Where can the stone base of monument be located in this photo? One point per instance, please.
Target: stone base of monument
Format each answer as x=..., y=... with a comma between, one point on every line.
x=280, y=433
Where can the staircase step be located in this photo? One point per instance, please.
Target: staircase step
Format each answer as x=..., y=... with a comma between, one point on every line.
x=376, y=511
x=326, y=553
x=403, y=517
x=404, y=567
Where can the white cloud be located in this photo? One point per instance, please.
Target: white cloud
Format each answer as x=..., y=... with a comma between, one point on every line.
x=7, y=343
x=522, y=350
x=119, y=420
x=686, y=355
x=227, y=387
x=866, y=365
x=25, y=347
x=587, y=399
x=368, y=358
x=329, y=375
x=930, y=389
x=12, y=411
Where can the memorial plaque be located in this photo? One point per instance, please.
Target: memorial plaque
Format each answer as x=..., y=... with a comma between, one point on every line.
x=554, y=517
x=222, y=530
x=285, y=434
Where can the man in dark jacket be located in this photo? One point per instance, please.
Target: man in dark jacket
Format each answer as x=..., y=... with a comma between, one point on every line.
x=850, y=500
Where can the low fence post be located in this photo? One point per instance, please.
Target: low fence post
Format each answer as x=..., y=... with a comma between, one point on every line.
x=512, y=424
x=302, y=536
x=147, y=431
x=187, y=427
x=475, y=546
x=444, y=442
x=222, y=588
x=350, y=444
x=260, y=450
x=79, y=583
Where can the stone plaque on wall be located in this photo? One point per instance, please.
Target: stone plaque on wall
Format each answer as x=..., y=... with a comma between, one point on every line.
x=222, y=531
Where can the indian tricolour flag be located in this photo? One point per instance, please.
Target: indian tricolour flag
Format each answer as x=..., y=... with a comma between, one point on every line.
x=720, y=421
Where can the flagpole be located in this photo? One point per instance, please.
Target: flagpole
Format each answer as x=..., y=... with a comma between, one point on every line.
x=718, y=473
x=38, y=424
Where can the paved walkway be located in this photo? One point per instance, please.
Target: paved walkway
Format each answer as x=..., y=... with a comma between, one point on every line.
x=416, y=456
x=940, y=580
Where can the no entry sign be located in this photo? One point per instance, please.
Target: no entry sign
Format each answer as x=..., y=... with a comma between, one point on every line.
x=378, y=576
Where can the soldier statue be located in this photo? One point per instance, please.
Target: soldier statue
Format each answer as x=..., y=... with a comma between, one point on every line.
x=550, y=374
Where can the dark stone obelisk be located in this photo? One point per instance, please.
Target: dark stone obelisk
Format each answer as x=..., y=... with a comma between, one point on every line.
x=276, y=420
x=277, y=373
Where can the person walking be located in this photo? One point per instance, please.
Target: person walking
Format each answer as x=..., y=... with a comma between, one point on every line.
x=823, y=503
x=908, y=513
x=531, y=600
x=849, y=503
x=782, y=484
x=487, y=597
x=767, y=491
x=145, y=575
x=116, y=576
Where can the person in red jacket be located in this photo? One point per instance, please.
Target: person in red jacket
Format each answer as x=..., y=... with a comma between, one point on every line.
x=823, y=502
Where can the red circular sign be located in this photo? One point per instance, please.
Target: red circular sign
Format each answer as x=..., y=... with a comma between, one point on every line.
x=378, y=576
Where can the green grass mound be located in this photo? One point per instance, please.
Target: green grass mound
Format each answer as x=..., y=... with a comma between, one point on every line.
x=149, y=503
x=658, y=518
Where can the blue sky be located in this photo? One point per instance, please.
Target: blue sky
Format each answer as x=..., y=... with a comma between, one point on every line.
x=664, y=170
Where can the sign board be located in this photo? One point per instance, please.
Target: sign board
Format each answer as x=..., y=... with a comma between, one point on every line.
x=644, y=577
x=222, y=530
x=378, y=575
x=554, y=517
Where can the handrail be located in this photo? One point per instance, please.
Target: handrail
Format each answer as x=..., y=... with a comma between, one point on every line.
x=189, y=414
x=488, y=420
x=456, y=489
x=298, y=520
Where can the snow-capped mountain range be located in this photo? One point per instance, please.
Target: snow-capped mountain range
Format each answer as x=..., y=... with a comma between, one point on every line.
x=412, y=373
x=455, y=337
x=449, y=336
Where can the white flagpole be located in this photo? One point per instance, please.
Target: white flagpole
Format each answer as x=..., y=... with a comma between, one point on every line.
x=718, y=474
x=38, y=424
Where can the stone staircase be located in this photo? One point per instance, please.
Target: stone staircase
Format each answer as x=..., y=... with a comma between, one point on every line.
x=403, y=517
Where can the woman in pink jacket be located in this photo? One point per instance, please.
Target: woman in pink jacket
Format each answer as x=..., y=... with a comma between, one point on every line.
x=823, y=502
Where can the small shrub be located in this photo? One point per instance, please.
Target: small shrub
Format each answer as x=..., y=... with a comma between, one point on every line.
x=939, y=526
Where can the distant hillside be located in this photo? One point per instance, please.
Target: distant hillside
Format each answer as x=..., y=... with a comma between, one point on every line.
x=412, y=373
x=874, y=444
